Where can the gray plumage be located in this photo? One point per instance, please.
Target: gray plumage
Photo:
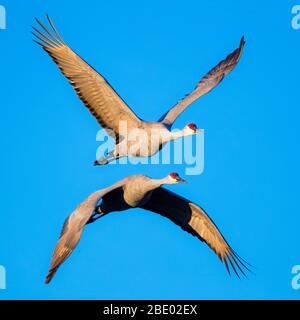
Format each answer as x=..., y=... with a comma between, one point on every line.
x=112, y=113
x=146, y=193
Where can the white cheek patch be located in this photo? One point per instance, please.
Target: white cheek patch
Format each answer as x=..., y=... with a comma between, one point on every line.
x=190, y=130
x=172, y=179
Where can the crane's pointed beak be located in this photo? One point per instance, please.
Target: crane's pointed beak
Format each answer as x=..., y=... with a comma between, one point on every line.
x=199, y=131
x=182, y=180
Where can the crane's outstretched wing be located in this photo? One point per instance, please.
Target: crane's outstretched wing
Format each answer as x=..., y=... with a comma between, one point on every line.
x=193, y=219
x=206, y=84
x=93, y=90
x=73, y=228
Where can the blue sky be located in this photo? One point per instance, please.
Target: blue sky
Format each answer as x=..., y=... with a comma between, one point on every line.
x=152, y=53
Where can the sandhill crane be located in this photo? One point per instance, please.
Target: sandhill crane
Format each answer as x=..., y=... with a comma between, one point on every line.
x=140, y=191
x=133, y=136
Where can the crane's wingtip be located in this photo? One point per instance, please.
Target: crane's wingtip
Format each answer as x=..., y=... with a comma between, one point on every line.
x=49, y=278
x=50, y=275
x=243, y=41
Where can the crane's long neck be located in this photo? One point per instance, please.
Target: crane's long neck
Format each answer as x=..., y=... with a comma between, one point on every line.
x=156, y=183
x=174, y=135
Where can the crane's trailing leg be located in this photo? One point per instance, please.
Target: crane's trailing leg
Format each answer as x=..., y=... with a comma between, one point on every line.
x=105, y=160
x=101, y=161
